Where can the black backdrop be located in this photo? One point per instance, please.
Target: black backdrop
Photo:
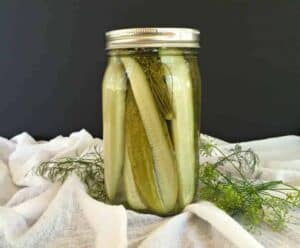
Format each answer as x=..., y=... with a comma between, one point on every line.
x=52, y=60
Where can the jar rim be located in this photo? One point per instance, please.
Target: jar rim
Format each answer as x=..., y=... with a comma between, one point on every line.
x=152, y=37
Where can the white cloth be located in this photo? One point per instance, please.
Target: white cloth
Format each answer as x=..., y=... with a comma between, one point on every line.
x=36, y=213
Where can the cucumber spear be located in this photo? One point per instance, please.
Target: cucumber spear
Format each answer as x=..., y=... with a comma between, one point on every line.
x=183, y=125
x=132, y=195
x=161, y=172
x=114, y=97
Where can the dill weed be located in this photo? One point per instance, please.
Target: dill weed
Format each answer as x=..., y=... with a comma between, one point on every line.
x=239, y=192
x=88, y=167
x=154, y=71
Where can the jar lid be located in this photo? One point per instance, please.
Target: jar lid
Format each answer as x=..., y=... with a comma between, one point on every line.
x=152, y=37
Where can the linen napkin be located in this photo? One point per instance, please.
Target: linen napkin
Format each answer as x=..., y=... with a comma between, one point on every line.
x=37, y=213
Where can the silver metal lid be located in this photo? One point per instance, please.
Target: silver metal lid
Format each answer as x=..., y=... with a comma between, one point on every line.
x=152, y=37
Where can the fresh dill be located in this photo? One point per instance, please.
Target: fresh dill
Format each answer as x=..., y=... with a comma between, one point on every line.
x=231, y=183
x=88, y=167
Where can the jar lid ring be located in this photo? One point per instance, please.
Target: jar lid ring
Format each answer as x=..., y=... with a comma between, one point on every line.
x=152, y=37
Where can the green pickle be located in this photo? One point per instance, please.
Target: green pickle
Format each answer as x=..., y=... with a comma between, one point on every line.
x=114, y=95
x=163, y=165
x=132, y=195
x=140, y=156
x=151, y=105
x=180, y=84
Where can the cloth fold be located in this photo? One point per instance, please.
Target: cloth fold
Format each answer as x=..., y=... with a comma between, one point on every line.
x=37, y=213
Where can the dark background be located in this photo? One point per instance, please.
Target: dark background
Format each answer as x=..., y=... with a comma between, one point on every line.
x=52, y=60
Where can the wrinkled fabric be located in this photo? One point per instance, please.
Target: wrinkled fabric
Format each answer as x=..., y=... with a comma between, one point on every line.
x=37, y=213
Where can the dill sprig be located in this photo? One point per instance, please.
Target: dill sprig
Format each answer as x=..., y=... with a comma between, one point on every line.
x=231, y=184
x=89, y=167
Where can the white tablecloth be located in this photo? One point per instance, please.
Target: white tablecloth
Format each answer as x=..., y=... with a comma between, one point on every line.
x=36, y=213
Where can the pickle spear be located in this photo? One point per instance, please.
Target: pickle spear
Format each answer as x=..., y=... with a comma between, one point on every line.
x=140, y=157
x=132, y=194
x=164, y=187
x=183, y=125
x=114, y=97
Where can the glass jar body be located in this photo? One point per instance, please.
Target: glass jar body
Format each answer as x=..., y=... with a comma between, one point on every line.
x=151, y=114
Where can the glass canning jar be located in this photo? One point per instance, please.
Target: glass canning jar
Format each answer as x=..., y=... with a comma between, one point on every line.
x=151, y=113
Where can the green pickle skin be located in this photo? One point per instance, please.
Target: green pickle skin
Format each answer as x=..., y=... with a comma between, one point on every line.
x=152, y=179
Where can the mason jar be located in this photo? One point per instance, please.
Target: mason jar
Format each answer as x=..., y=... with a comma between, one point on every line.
x=151, y=107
